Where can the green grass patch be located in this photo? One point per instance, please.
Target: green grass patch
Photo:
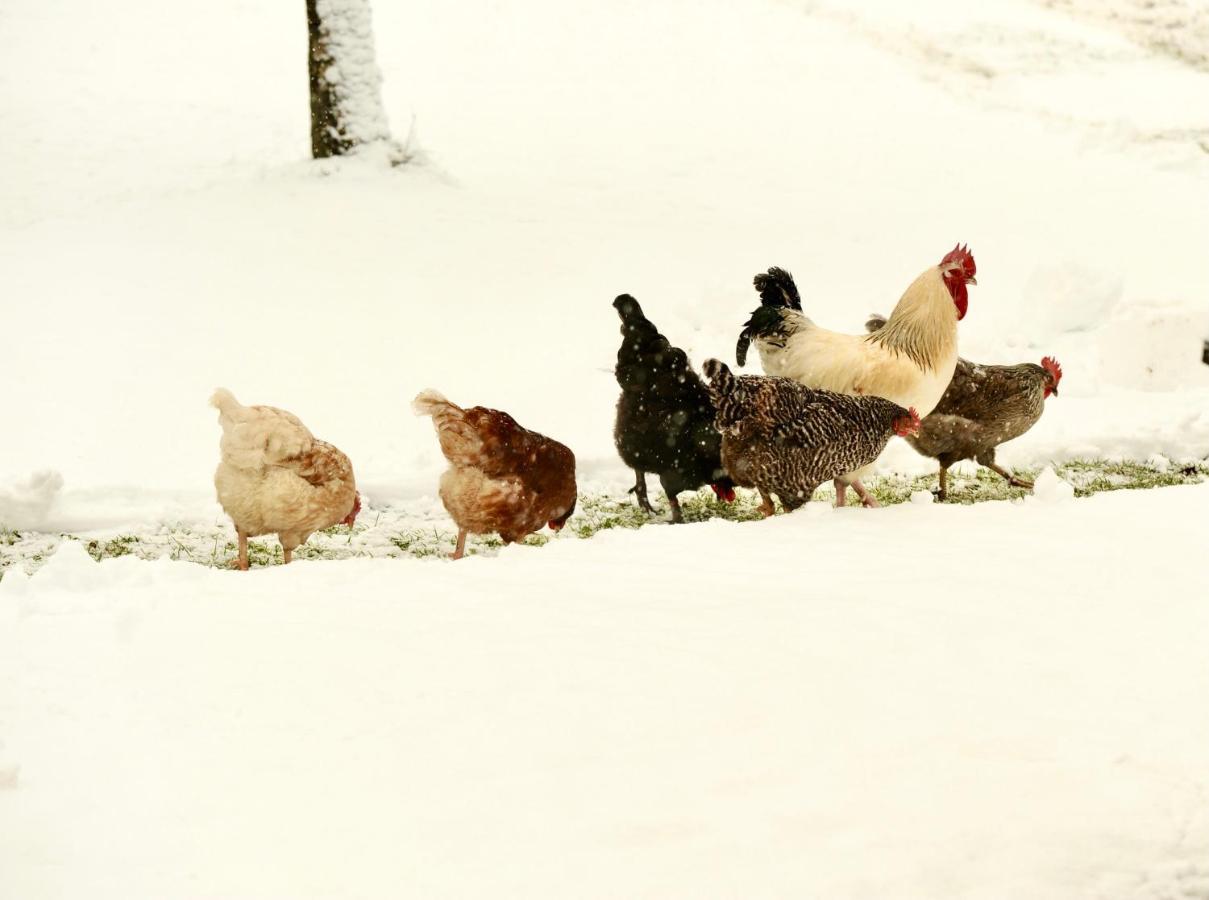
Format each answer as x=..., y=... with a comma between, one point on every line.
x=408, y=533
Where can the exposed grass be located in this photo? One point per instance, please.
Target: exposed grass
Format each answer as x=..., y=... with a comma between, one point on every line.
x=394, y=532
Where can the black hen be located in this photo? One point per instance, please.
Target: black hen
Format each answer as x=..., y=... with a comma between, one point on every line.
x=665, y=419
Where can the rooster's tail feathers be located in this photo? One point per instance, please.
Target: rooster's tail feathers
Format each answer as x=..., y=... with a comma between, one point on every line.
x=741, y=347
x=776, y=288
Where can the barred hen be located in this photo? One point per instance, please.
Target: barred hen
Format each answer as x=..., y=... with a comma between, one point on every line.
x=784, y=438
x=501, y=477
x=665, y=418
x=983, y=407
x=275, y=477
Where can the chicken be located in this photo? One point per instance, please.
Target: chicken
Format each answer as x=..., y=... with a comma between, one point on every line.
x=501, y=477
x=277, y=477
x=910, y=361
x=984, y=406
x=665, y=418
x=784, y=438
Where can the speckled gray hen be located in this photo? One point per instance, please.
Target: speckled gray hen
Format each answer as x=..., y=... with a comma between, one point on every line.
x=784, y=438
x=983, y=407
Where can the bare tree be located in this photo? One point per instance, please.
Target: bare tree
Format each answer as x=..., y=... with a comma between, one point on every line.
x=346, y=94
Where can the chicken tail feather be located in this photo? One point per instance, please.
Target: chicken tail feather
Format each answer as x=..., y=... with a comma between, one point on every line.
x=629, y=310
x=777, y=288
x=721, y=379
x=224, y=401
x=876, y=322
x=742, y=345
x=430, y=402
x=460, y=442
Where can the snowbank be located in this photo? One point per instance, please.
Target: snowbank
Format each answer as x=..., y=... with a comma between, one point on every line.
x=1003, y=700
x=27, y=502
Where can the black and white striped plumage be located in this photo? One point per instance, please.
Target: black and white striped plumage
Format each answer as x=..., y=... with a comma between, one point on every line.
x=784, y=438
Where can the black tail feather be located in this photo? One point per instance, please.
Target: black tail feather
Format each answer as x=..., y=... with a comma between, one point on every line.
x=629, y=310
x=876, y=323
x=776, y=288
x=741, y=347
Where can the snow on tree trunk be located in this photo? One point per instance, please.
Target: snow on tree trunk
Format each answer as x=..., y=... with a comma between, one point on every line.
x=346, y=97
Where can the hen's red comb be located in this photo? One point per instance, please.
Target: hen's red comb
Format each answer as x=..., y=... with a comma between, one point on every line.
x=904, y=426
x=960, y=257
x=1052, y=366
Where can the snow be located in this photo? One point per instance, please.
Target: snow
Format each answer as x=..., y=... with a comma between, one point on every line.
x=921, y=701
x=1049, y=488
x=27, y=502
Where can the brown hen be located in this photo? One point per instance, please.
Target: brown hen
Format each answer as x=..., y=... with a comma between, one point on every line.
x=502, y=477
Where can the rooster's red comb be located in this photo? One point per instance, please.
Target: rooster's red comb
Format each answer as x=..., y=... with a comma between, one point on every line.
x=1052, y=366
x=960, y=257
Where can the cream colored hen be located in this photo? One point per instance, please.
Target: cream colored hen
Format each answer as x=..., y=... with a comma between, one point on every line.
x=275, y=477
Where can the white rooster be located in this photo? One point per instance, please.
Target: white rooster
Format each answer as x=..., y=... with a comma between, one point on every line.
x=909, y=361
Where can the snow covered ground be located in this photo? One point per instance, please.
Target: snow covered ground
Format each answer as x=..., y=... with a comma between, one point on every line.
x=1003, y=700
x=1000, y=701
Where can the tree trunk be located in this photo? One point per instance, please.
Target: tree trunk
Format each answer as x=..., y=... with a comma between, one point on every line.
x=346, y=96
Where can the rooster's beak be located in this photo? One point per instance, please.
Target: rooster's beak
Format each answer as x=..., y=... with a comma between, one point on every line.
x=971, y=280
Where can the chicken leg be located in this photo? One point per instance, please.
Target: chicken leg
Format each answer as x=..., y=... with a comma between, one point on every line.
x=988, y=460
x=677, y=515
x=767, y=510
x=639, y=490
x=841, y=493
x=1011, y=479
x=867, y=499
x=241, y=562
x=943, y=491
x=460, y=550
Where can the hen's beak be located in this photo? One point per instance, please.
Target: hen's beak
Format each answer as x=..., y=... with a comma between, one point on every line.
x=1054, y=390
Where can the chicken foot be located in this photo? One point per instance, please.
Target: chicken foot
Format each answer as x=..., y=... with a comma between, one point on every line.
x=867, y=499
x=677, y=515
x=767, y=510
x=841, y=494
x=460, y=550
x=1011, y=479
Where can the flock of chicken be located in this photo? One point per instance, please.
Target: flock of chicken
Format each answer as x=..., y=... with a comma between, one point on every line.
x=824, y=411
